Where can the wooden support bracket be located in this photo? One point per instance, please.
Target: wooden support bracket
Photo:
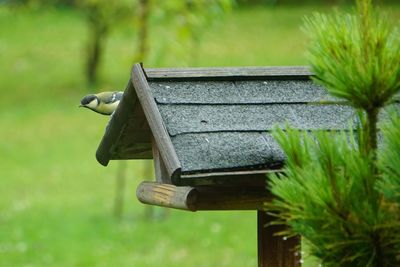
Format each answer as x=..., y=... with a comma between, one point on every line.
x=166, y=195
x=202, y=197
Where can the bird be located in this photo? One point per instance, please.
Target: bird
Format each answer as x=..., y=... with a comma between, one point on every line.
x=103, y=103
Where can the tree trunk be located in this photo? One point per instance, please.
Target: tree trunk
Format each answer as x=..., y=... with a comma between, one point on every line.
x=95, y=49
x=142, y=49
x=120, y=190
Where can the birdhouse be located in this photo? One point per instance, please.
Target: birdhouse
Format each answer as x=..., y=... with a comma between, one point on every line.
x=209, y=131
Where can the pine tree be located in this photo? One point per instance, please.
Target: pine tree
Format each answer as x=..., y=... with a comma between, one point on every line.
x=339, y=191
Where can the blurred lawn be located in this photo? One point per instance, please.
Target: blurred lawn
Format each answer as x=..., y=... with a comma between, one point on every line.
x=56, y=200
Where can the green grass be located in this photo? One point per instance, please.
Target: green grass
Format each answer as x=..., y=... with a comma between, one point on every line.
x=55, y=199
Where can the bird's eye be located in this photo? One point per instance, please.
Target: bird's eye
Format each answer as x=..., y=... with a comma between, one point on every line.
x=87, y=99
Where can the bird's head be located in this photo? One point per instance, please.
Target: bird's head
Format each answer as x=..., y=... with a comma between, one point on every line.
x=90, y=102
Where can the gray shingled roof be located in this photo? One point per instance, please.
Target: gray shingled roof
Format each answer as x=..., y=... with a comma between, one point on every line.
x=225, y=125
x=216, y=124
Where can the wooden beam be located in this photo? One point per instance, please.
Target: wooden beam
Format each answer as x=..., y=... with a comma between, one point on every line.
x=231, y=178
x=231, y=198
x=273, y=250
x=228, y=73
x=161, y=136
x=166, y=195
x=202, y=197
x=160, y=171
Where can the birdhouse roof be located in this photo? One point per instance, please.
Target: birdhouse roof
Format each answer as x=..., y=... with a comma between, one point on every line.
x=216, y=120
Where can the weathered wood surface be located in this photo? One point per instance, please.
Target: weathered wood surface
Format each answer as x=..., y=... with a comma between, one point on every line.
x=233, y=178
x=273, y=250
x=231, y=198
x=227, y=73
x=230, y=173
x=161, y=137
x=202, y=197
x=166, y=195
x=160, y=171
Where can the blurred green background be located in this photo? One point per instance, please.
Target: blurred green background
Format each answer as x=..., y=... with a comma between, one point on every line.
x=56, y=201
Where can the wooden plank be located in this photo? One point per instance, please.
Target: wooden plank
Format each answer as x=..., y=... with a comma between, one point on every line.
x=159, y=167
x=156, y=124
x=275, y=251
x=231, y=197
x=134, y=140
x=202, y=197
x=228, y=73
x=229, y=173
x=136, y=151
x=233, y=178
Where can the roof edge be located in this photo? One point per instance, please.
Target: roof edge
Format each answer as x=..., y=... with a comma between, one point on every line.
x=154, y=119
x=228, y=73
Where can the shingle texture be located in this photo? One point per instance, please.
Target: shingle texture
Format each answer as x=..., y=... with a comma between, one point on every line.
x=236, y=92
x=222, y=125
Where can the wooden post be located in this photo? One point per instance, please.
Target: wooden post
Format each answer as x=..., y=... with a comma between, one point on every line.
x=275, y=251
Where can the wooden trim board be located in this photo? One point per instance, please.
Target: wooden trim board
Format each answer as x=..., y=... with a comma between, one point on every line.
x=228, y=73
x=153, y=116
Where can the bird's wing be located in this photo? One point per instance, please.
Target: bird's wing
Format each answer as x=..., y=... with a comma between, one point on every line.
x=110, y=97
x=115, y=96
x=118, y=95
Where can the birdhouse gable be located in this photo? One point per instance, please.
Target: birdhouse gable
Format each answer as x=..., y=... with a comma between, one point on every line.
x=207, y=122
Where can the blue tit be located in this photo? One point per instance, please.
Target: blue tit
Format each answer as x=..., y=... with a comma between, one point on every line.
x=104, y=103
